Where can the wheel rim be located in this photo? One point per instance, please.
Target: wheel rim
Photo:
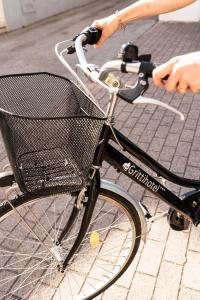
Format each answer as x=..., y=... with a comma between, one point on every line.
x=29, y=271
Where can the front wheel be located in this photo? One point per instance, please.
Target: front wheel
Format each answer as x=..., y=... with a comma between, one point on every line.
x=29, y=267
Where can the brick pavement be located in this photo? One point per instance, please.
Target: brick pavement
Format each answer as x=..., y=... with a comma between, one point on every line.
x=167, y=263
x=167, y=267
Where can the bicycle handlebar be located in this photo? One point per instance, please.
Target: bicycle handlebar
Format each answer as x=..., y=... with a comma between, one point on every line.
x=144, y=70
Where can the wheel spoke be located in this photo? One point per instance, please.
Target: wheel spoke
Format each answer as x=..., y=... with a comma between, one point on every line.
x=38, y=223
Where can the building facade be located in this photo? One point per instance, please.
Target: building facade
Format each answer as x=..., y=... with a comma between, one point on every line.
x=188, y=14
x=19, y=13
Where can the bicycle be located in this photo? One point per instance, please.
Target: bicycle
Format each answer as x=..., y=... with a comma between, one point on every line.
x=77, y=244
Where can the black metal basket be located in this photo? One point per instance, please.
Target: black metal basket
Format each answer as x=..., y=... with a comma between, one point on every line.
x=50, y=129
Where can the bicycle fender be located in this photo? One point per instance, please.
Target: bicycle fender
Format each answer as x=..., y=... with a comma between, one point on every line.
x=110, y=186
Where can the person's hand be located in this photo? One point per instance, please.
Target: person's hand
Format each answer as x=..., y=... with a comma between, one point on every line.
x=108, y=26
x=183, y=72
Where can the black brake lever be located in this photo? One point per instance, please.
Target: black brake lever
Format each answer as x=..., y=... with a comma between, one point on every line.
x=142, y=84
x=129, y=95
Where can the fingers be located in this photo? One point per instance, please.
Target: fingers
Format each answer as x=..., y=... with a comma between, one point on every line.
x=173, y=81
x=101, y=41
x=183, y=74
x=194, y=89
x=108, y=26
x=194, y=82
x=182, y=87
x=161, y=72
x=97, y=24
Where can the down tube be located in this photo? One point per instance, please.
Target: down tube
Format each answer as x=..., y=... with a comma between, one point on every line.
x=130, y=169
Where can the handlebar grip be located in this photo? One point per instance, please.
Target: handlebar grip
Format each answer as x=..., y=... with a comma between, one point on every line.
x=93, y=35
x=153, y=67
x=149, y=67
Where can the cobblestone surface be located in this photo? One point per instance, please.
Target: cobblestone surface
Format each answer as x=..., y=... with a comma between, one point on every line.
x=168, y=266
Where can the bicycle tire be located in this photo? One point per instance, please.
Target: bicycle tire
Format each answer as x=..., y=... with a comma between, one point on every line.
x=16, y=238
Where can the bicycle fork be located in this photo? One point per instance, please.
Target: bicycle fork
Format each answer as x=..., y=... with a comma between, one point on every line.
x=92, y=194
x=90, y=205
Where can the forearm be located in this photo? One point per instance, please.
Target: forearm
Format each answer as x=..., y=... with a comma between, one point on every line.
x=147, y=8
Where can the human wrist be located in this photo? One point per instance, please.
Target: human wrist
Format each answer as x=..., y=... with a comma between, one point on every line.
x=118, y=18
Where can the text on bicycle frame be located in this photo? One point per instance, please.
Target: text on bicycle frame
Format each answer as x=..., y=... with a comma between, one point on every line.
x=130, y=168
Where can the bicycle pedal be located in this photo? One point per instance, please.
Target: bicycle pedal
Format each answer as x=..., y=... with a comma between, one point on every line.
x=177, y=221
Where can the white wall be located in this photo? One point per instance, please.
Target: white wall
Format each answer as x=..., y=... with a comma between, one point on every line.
x=188, y=14
x=2, y=17
x=19, y=13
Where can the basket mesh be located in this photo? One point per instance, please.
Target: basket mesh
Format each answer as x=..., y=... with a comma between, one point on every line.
x=50, y=129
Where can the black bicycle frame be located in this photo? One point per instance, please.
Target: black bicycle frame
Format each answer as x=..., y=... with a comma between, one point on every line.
x=106, y=152
x=123, y=164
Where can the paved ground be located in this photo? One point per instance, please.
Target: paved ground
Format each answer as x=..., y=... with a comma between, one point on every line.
x=167, y=267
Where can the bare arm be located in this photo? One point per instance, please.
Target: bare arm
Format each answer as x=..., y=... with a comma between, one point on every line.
x=147, y=8
x=138, y=10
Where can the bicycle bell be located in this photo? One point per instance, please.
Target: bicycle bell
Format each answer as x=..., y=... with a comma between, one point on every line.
x=128, y=52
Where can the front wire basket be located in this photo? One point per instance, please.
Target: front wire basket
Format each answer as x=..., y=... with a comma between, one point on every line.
x=50, y=129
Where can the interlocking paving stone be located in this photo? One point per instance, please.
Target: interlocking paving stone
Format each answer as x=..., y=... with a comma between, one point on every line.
x=142, y=287
x=176, y=247
x=151, y=257
x=168, y=281
x=190, y=275
x=188, y=294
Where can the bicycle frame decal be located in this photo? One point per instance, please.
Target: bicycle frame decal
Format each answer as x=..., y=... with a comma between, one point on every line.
x=122, y=163
x=152, y=164
x=143, y=178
